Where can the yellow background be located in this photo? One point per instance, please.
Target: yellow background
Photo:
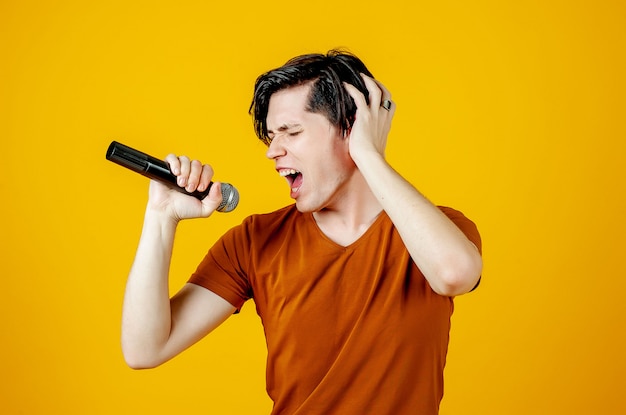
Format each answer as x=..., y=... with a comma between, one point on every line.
x=512, y=112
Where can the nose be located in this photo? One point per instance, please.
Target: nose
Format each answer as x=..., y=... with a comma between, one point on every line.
x=275, y=149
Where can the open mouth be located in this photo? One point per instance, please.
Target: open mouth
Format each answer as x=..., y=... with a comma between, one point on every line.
x=294, y=178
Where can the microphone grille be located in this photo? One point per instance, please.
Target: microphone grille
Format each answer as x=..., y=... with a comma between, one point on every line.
x=230, y=198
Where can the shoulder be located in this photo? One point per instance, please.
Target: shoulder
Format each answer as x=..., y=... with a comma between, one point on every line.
x=256, y=231
x=466, y=225
x=453, y=213
x=257, y=225
x=271, y=217
x=277, y=218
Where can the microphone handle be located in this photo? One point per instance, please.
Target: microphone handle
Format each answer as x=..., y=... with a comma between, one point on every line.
x=148, y=166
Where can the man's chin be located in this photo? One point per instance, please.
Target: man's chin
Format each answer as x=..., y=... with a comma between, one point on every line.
x=304, y=208
x=301, y=208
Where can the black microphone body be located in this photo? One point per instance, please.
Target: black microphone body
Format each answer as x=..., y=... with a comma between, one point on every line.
x=159, y=170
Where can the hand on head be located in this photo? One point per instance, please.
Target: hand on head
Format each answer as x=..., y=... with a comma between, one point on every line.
x=372, y=122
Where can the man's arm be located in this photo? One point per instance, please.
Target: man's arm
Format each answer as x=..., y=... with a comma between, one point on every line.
x=155, y=328
x=449, y=261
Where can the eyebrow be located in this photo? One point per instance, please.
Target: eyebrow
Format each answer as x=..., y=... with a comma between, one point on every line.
x=284, y=127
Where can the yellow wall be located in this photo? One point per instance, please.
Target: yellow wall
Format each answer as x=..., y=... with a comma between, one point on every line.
x=512, y=112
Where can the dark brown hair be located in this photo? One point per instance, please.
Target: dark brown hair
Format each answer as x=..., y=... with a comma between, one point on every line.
x=327, y=96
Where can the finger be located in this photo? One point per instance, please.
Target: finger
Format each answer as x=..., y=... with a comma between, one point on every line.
x=379, y=94
x=195, y=169
x=174, y=163
x=213, y=199
x=374, y=91
x=215, y=194
x=385, y=94
x=185, y=168
x=205, y=177
x=357, y=96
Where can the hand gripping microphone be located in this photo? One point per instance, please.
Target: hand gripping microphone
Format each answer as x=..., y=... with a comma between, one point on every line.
x=159, y=170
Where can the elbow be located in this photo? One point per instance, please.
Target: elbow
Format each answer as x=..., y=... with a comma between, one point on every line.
x=140, y=363
x=459, y=278
x=140, y=359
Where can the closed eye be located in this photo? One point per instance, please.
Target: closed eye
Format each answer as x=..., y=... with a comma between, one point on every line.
x=285, y=130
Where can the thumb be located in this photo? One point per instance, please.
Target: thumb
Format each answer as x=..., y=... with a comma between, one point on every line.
x=214, y=198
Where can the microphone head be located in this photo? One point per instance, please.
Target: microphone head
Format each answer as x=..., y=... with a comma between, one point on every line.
x=230, y=198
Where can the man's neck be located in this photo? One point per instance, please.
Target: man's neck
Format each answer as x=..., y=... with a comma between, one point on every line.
x=350, y=218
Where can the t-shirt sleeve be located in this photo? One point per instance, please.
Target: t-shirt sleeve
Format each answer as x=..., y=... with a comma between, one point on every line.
x=223, y=269
x=465, y=225
x=468, y=227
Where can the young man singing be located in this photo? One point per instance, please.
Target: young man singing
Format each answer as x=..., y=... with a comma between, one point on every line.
x=354, y=283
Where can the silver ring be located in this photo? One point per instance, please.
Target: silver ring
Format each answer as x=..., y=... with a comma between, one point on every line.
x=386, y=104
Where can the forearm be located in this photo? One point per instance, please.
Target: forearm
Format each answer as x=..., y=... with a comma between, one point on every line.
x=448, y=260
x=146, y=317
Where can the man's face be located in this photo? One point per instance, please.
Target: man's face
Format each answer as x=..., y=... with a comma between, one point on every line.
x=308, y=151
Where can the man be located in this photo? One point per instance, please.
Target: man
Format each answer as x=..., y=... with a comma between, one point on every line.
x=354, y=283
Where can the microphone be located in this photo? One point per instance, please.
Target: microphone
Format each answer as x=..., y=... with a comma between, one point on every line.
x=159, y=170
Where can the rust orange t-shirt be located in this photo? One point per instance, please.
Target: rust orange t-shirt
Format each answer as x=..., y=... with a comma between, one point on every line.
x=350, y=330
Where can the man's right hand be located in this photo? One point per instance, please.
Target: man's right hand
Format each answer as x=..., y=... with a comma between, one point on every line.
x=191, y=175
